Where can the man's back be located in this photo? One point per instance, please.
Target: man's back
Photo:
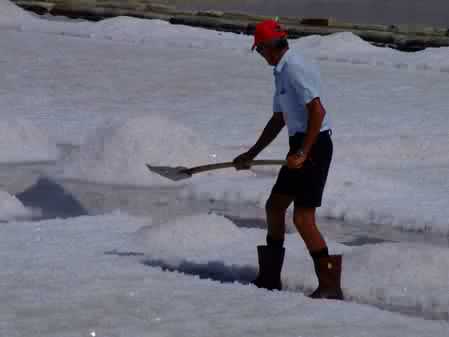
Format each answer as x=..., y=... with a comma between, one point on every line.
x=297, y=83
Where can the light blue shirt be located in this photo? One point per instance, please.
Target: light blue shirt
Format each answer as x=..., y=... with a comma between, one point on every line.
x=297, y=83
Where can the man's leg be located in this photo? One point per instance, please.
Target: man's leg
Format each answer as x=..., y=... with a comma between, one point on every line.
x=328, y=268
x=304, y=220
x=271, y=256
x=275, y=208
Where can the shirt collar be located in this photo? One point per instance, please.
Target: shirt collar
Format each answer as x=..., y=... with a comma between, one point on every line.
x=278, y=68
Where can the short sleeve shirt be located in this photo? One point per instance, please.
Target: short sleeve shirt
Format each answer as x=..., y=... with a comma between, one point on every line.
x=297, y=83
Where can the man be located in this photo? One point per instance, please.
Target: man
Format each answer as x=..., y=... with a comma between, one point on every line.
x=296, y=104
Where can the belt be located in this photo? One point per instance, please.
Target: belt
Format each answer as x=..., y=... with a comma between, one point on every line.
x=327, y=132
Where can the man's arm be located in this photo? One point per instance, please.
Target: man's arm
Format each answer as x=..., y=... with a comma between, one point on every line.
x=269, y=133
x=316, y=115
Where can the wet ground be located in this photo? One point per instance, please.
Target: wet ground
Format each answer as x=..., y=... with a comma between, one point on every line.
x=36, y=185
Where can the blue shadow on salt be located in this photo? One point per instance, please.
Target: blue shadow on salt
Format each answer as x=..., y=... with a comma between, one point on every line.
x=52, y=200
x=213, y=270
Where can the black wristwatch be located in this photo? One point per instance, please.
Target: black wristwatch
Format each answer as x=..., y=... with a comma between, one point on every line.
x=301, y=153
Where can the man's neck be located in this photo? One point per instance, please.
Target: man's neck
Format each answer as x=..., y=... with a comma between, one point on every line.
x=281, y=54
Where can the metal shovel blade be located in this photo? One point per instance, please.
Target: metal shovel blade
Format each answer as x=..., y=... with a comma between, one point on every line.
x=172, y=173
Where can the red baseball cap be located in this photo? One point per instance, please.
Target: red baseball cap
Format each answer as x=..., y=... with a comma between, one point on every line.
x=266, y=31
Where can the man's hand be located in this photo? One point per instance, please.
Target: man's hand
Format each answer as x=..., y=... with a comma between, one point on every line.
x=242, y=162
x=296, y=161
x=270, y=131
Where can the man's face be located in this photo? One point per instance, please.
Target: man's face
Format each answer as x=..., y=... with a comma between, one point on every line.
x=268, y=53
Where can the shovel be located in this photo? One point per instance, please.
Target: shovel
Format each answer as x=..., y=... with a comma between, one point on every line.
x=180, y=172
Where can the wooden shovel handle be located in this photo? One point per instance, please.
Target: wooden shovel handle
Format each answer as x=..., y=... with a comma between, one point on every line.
x=217, y=166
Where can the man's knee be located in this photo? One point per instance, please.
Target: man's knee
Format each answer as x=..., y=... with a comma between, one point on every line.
x=304, y=217
x=277, y=204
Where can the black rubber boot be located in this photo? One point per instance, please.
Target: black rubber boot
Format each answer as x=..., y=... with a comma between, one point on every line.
x=328, y=270
x=270, y=267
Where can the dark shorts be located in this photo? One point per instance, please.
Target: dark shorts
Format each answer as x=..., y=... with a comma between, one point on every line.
x=306, y=185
